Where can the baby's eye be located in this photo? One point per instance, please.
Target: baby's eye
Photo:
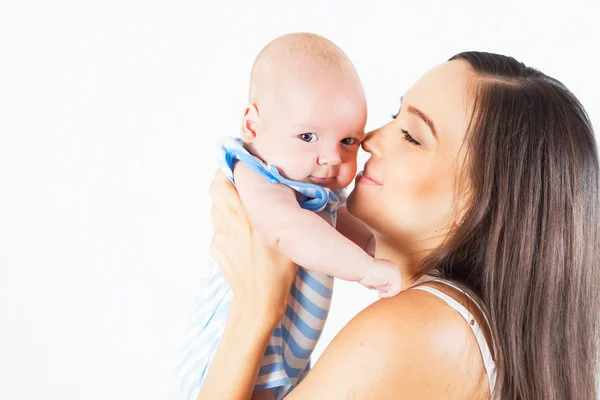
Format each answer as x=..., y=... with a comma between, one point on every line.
x=349, y=141
x=308, y=137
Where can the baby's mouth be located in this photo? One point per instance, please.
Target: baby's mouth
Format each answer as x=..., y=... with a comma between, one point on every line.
x=322, y=180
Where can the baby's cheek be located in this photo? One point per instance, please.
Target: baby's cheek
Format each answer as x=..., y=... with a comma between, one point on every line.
x=295, y=165
x=347, y=174
x=290, y=170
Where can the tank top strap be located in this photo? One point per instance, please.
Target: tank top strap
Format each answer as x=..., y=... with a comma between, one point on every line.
x=486, y=355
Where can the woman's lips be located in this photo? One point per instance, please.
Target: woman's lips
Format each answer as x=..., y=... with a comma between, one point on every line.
x=366, y=179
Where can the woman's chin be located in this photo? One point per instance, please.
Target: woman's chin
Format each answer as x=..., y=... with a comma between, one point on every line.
x=355, y=203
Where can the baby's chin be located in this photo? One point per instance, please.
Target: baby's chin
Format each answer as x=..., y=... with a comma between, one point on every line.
x=333, y=183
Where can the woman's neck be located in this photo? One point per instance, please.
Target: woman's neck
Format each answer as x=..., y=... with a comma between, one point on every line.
x=407, y=260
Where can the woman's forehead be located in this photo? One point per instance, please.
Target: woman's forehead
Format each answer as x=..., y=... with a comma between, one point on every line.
x=443, y=95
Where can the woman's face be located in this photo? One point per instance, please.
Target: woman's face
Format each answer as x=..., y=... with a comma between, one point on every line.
x=406, y=191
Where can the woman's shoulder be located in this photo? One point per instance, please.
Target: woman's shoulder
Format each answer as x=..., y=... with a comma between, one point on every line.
x=412, y=343
x=418, y=318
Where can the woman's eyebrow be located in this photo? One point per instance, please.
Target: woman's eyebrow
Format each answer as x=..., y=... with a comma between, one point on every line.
x=423, y=116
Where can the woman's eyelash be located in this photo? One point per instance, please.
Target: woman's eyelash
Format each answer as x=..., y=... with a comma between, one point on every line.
x=409, y=138
x=406, y=135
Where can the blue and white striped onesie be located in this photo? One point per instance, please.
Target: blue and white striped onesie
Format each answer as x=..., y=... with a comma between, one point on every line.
x=287, y=357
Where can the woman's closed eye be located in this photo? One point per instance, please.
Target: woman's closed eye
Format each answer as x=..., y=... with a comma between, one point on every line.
x=407, y=135
x=409, y=138
x=308, y=137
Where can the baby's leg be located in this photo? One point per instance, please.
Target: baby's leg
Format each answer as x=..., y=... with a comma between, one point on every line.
x=264, y=394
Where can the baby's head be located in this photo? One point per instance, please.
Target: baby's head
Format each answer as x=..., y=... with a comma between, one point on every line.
x=307, y=111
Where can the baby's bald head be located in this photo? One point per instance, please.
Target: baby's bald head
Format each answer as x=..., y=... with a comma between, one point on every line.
x=306, y=112
x=301, y=59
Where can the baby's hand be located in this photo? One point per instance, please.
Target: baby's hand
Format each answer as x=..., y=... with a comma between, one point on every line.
x=383, y=276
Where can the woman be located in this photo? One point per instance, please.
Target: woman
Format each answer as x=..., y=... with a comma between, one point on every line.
x=487, y=179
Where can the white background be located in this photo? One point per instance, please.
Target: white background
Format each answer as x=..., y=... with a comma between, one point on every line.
x=109, y=111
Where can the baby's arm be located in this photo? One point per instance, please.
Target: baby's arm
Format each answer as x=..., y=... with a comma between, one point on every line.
x=355, y=230
x=301, y=235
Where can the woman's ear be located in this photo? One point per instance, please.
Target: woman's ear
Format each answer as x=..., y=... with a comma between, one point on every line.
x=250, y=123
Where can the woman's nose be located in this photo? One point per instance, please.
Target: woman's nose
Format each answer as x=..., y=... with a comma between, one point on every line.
x=372, y=142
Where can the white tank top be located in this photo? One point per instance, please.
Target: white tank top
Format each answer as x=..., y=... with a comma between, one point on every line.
x=486, y=355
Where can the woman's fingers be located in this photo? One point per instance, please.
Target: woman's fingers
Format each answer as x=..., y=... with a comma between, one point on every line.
x=218, y=256
x=222, y=191
x=257, y=274
x=227, y=200
x=218, y=184
x=216, y=216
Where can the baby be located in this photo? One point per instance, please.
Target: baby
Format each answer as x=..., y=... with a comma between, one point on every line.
x=300, y=136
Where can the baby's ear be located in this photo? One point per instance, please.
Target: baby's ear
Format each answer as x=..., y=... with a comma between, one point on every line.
x=250, y=123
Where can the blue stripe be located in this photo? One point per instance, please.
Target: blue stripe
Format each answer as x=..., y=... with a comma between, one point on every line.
x=274, y=384
x=270, y=368
x=314, y=284
x=290, y=371
x=270, y=350
x=277, y=332
x=297, y=350
x=303, y=327
x=308, y=305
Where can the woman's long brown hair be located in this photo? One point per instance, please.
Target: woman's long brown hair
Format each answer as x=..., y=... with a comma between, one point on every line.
x=528, y=243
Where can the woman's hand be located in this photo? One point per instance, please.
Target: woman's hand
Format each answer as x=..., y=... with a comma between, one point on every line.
x=259, y=276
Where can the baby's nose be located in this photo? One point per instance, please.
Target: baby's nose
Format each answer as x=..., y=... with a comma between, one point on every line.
x=331, y=158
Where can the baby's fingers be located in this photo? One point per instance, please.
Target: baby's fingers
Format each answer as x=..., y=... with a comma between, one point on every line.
x=389, y=291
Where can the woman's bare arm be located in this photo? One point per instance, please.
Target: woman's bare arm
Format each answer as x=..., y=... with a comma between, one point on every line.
x=234, y=369
x=260, y=279
x=411, y=346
